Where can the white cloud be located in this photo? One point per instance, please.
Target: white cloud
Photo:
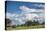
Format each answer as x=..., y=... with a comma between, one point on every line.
x=40, y=5
x=31, y=16
x=27, y=12
x=10, y=15
x=16, y=18
x=25, y=15
x=26, y=9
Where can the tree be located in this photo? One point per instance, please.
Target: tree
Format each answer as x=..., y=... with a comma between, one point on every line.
x=35, y=23
x=7, y=22
x=28, y=23
x=43, y=23
x=14, y=26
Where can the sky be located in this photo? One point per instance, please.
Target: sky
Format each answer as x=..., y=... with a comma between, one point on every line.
x=19, y=11
x=28, y=0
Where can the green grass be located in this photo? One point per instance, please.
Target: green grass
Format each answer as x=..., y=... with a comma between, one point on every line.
x=26, y=27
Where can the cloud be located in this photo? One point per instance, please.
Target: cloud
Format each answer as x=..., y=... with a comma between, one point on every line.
x=24, y=16
x=32, y=13
x=19, y=18
x=26, y=9
x=31, y=16
x=10, y=15
x=39, y=5
x=16, y=18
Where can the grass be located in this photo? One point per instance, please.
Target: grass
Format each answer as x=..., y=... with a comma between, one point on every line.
x=26, y=27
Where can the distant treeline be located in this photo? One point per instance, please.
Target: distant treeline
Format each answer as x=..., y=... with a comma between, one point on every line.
x=28, y=23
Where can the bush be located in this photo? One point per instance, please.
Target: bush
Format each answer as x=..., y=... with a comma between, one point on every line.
x=13, y=26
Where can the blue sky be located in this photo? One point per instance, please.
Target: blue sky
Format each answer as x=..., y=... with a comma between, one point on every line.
x=13, y=6
x=19, y=12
